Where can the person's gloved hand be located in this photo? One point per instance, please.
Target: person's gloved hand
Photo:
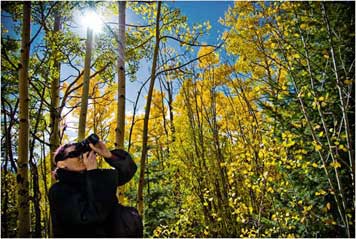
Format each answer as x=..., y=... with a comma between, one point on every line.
x=101, y=149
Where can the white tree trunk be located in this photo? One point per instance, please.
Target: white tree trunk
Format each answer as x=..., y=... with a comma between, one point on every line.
x=23, y=207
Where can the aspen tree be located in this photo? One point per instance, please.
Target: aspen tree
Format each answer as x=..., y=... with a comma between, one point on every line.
x=24, y=222
x=120, y=128
x=147, y=113
x=85, y=91
x=54, y=110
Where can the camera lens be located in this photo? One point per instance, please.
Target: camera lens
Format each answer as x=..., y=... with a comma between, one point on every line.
x=93, y=138
x=83, y=147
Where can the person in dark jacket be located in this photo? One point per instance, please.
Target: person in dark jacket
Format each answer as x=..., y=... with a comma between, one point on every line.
x=83, y=202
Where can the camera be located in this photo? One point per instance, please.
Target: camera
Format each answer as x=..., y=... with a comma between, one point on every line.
x=83, y=147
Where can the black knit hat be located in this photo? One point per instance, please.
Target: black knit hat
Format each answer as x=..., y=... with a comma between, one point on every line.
x=61, y=154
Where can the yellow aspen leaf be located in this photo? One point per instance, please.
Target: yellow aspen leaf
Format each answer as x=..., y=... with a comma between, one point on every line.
x=317, y=126
x=231, y=180
x=299, y=157
x=315, y=165
x=348, y=82
x=321, y=134
x=250, y=209
x=321, y=192
x=307, y=208
x=328, y=206
x=317, y=147
x=329, y=221
x=157, y=231
x=260, y=154
x=303, y=26
x=335, y=164
x=343, y=148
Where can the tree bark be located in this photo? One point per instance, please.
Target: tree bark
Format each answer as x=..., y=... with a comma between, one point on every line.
x=34, y=171
x=54, y=110
x=147, y=115
x=24, y=224
x=4, y=181
x=120, y=127
x=85, y=92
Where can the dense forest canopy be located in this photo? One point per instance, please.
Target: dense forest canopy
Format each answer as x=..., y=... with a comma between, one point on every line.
x=251, y=135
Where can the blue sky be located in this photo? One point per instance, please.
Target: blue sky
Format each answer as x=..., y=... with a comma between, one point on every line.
x=200, y=11
x=196, y=12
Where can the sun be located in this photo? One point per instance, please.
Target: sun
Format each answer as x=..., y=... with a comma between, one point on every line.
x=90, y=19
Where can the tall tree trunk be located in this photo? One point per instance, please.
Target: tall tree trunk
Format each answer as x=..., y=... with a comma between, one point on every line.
x=34, y=172
x=47, y=224
x=85, y=92
x=170, y=107
x=147, y=115
x=54, y=110
x=120, y=127
x=24, y=225
x=8, y=141
x=4, y=183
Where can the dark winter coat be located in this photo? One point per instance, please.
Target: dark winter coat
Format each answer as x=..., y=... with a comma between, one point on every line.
x=84, y=204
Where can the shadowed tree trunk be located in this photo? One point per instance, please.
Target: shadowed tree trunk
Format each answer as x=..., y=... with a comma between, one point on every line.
x=24, y=224
x=55, y=75
x=36, y=198
x=85, y=92
x=120, y=127
x=5, y=192
x=147, y=115
x=54, y=108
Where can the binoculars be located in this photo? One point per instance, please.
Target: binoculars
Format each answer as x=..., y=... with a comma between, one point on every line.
x=83, y=146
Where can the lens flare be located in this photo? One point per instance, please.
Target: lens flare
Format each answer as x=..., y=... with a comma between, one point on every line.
x=92, y=20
